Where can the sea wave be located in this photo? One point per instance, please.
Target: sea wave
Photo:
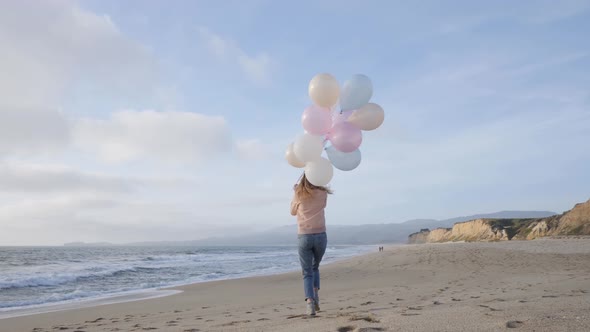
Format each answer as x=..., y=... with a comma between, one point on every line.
x=55, y=279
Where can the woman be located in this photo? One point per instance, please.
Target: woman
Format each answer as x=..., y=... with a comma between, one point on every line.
x=308, y=205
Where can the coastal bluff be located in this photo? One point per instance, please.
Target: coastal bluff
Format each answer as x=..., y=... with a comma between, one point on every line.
x=573, y=222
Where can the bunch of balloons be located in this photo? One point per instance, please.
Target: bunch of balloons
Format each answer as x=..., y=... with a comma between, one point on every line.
x=337, y=116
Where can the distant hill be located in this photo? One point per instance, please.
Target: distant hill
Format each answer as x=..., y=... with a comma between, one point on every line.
x=84, y=244
x=573, y=222
x=369, y=233
x=345, y=234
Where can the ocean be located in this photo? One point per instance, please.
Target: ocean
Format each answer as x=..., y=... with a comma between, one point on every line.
x=42, y=276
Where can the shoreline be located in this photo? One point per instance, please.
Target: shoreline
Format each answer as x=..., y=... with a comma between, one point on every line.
x=135, y=295
x=139, y=295
x=541, y=285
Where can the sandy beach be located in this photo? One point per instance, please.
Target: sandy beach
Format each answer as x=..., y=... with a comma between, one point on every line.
x=540, y=285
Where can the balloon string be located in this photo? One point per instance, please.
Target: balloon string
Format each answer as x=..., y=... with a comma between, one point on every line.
x=300, y=176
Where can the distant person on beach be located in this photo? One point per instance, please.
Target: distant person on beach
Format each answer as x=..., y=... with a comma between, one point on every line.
x=308, y=204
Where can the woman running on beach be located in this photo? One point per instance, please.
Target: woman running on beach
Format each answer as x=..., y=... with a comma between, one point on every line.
x=308, y=205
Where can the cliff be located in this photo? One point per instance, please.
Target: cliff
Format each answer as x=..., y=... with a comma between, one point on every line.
x=573, y=222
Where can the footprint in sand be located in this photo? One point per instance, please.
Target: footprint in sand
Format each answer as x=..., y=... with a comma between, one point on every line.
x=367, y=303
x=191, y=330
x=303, y=316
x=236, y=322
x=513, y=324
x=261, y=319
x=366, y=318
x=345, y=328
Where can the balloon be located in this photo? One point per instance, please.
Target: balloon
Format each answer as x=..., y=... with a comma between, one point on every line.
x=342, y=160
x=319, y=172
x=308, y=147
x=356, y=92
x=292, y=159
x=345, y=137
x=368, y=117
x=324, y=90
x=316, y=120
x=340, y=116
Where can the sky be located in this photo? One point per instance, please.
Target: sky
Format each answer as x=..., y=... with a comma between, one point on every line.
x=127, y=121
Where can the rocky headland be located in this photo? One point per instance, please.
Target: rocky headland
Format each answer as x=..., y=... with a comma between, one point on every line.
x=573, y=222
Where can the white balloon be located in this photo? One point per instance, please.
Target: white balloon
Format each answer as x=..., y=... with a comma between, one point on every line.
x=368, y=117
x=308, y=147
x=319, y=172
x=344, y=161
x=356, y=92
x=292, y=159
x=324, y=90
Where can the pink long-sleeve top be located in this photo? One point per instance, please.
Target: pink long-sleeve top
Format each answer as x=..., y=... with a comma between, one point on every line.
x=310, y=212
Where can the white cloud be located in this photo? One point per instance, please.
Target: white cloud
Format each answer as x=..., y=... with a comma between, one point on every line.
x=164, y=136
x=258, y=68
x=98, y=217
x=51, y=50
x=28, y=131
x=46, y=45
x=28, y=178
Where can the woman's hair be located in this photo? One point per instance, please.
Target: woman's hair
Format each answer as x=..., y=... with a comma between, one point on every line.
x=305, y=189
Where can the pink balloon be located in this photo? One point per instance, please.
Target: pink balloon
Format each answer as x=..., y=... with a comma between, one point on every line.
x=345, y=136
x=341, y=116
x=316, y=120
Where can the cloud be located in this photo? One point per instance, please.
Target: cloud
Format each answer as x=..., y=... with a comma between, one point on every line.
x=97, y=217
x=258, y=68
x=28, y=178
x=31, y=131
x=54, y=50
x=165, y=136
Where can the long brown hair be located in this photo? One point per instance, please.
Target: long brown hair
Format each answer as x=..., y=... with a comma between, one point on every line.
x=305, y=188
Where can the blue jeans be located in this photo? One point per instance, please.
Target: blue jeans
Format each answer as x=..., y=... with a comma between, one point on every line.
x=311, y=250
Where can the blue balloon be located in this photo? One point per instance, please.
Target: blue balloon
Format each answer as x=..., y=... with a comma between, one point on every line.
x=344, y=161
x=356, y=92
